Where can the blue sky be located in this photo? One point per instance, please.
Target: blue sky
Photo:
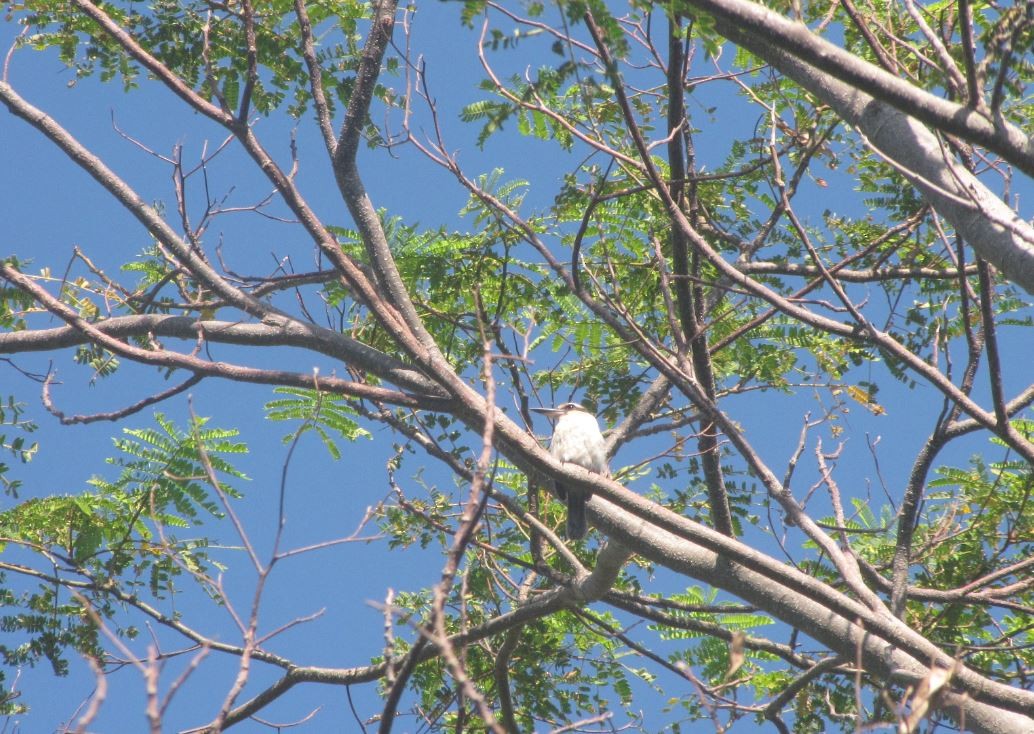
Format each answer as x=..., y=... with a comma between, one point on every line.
x=48, y=206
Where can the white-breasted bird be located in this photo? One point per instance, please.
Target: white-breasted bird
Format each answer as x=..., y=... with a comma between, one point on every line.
x=576, y=439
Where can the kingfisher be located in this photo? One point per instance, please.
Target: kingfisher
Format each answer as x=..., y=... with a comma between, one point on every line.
x=576, y=439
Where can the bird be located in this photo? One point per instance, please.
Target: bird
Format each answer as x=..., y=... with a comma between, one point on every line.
x=576, y=440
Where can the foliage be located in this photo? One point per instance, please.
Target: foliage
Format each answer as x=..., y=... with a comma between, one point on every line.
x=113, y=543
x=319, y=413
x=728, y=271
x=11, y=416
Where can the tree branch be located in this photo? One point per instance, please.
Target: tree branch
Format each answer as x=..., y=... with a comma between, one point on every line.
x=768, y=34
x=167, y=359
x=293, y=334
x=892, y=123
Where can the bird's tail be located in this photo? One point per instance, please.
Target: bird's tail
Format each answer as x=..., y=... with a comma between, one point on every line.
x=576, y=524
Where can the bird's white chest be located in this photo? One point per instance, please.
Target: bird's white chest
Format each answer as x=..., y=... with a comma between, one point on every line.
x=577, y=439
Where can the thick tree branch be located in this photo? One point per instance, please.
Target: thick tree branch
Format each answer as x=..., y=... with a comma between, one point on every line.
x=888, y=652
x=346, y=171
x=319, y=97
x=849, y=275
x=766, y=33
x=893, y=123
x=688, y=297
x=154, y=66
x=294, y=334
x=167, y=359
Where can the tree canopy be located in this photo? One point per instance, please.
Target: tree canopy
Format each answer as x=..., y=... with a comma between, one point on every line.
x=780, y=249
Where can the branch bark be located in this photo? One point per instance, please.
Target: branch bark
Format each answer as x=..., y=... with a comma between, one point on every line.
x=891, y=114
x=844, y=627
x=769, y=35
x=293, y=334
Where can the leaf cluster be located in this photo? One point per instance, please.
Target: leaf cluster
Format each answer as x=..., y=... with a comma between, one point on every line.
x=113, y=543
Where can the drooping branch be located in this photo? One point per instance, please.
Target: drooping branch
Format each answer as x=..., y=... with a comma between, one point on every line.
x=121, y=413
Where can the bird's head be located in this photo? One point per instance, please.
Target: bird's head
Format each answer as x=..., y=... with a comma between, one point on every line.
x=563, y=409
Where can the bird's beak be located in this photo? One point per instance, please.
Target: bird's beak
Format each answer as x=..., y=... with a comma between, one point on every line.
x=551, y=412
